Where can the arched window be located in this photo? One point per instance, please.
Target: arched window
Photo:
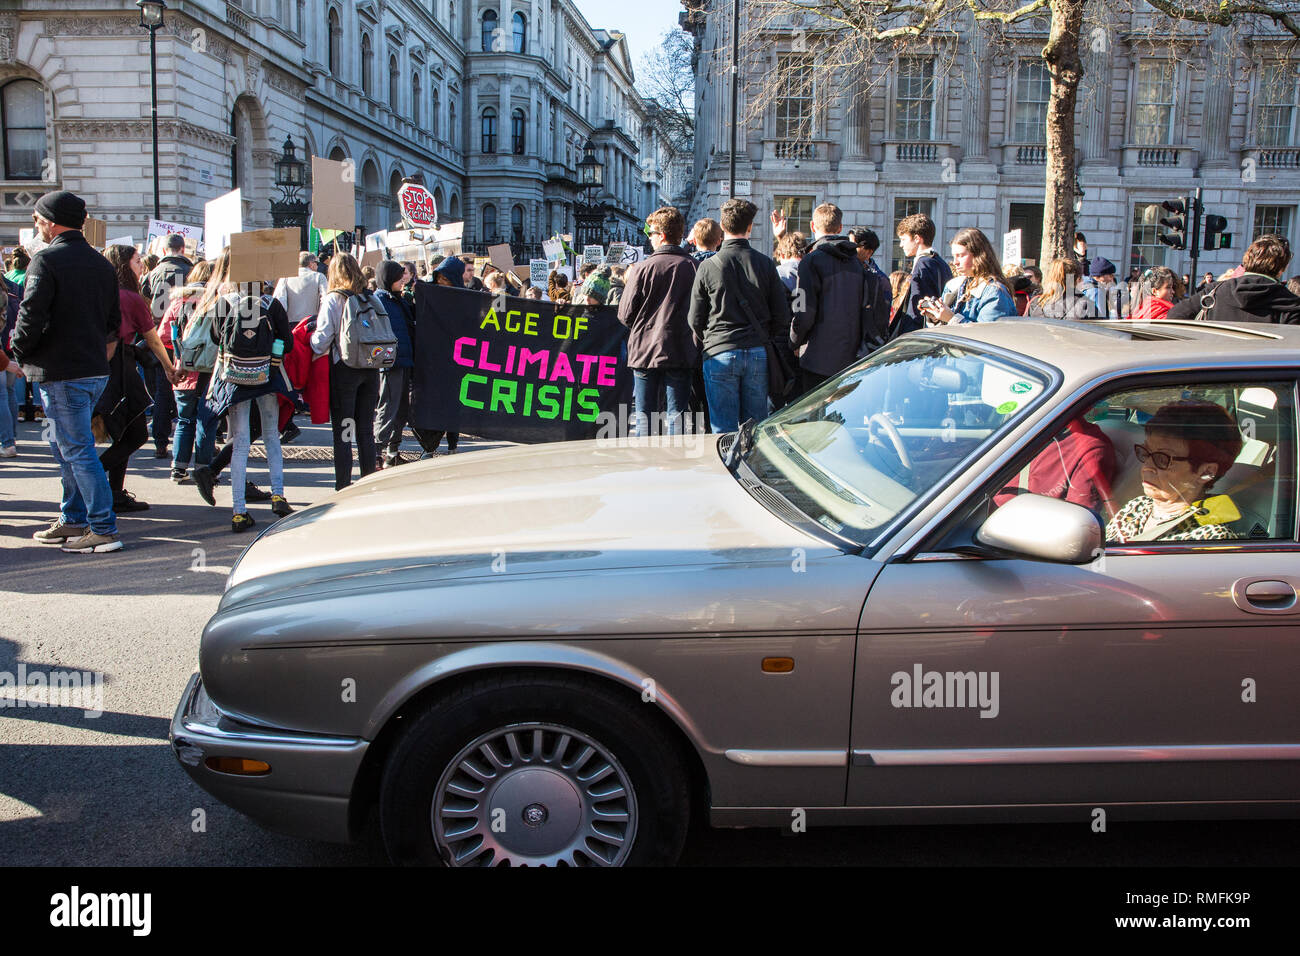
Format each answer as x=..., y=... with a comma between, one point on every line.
x=455, y=208
x=336, y=38
x=517, y=223
x=521, y=33
x=367, y=63
x=517, y=132
x=394, y=82
x=489, y=130
x=22, y=109
x=489, y=29
x=489, y=221
x=435, y=122
x=452, y=131
x=416, y=118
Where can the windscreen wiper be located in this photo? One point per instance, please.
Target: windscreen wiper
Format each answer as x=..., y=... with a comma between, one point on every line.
x=741, y=446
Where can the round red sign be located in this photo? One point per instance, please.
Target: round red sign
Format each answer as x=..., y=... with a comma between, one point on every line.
x=418, y=207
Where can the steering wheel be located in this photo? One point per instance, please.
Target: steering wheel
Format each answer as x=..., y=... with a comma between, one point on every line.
x=881, y=421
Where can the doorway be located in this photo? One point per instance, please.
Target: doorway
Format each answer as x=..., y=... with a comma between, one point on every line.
x=1028, y=217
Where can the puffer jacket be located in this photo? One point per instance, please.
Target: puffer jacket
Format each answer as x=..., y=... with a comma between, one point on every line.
x=827, y=305
x=1250, y=297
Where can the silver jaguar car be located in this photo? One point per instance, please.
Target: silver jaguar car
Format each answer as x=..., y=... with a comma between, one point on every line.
x=1010, y=571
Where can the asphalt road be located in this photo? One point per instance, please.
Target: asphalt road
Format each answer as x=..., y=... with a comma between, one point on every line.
x=88, y=791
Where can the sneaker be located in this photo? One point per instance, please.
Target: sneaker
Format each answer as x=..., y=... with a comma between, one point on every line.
x=161, y=453
x=240, y=523
x=279, y=506
x=392, y=460
x=9, y=451
x=125, y=501
x=205, y=481
x=180, y=476
x=59, y=532
x=290, y=434
x=92, y=543
x=254, y=493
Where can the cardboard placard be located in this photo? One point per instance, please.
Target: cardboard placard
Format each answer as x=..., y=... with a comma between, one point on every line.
x=1011, y=247
x=121, y=241
x=539, y=270
x=158, y=229
x=222, y=218
x=479, y=263
x=30, y=241
x=95, y=231
x=553, y=249
x=593, y=255
x=615, y=254
x=372, y=258
x=333, y=194
x=501, y=256
x=264, y=254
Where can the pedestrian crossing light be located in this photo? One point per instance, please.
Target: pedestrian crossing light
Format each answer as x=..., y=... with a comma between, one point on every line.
x=1215, y=237
x=1176, y=224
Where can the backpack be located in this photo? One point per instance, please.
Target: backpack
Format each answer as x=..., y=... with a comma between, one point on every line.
x=246, y=339
x=366, y=338
x=195, y=347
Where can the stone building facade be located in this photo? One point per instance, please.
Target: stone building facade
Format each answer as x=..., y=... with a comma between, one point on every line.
x=960, y=135
x=400, y=87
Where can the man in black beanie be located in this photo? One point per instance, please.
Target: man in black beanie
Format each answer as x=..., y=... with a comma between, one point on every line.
x=69, y=313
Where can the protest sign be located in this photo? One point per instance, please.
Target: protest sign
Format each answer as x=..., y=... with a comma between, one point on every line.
x=418, y=206
x=534, y=372
x=553, y=249
x=120, y=241
x=31, y=242
x=615, y=254
x=95, y=231
x=1011, y=247
x=333, y=194
x=222, y=218
x=264, y=254
x=501, y=257
x=160, y=229
x=593, y=255
x=538, y=271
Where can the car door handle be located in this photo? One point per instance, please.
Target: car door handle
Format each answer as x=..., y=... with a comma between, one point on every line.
x=1264, y=596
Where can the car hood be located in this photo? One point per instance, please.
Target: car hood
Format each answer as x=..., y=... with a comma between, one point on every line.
x=543, y=508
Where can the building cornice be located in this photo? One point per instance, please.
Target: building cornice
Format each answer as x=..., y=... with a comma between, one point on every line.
x=172, y=130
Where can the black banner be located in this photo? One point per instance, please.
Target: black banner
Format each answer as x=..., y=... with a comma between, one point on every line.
x=517, y=369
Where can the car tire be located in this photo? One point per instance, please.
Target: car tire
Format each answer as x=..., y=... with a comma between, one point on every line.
x=539, y=801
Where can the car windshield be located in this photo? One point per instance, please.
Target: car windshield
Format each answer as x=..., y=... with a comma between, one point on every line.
x=857, y=451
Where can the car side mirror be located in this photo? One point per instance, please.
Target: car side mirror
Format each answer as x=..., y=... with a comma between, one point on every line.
x=1043, y=529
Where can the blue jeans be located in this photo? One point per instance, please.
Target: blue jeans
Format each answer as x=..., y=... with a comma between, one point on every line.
x=164, y=404
x=735, y=383
x=87, y=498
x=8, y=409
x=195, y=436
x=646, y=383
x=268, y=406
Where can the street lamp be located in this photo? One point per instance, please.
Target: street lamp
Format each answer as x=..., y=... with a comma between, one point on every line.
x=590, y=215
x=1078, y=194
x=290, y=177
x=151, y=18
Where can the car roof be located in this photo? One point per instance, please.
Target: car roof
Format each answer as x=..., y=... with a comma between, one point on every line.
x=1090, y=348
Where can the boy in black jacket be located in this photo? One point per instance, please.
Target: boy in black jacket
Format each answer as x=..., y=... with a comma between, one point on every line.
x=930, y=272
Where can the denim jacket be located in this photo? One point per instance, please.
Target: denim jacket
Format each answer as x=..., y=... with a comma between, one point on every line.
x=992, y=303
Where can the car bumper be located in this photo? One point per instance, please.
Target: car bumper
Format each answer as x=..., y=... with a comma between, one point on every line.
x=307, y=791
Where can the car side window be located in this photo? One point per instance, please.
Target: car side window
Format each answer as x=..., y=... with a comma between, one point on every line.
x=1196, y=462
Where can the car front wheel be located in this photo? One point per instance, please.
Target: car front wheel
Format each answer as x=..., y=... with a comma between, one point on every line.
x=545, y=771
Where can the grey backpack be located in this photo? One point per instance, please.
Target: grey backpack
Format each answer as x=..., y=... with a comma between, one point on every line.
x=366, y=338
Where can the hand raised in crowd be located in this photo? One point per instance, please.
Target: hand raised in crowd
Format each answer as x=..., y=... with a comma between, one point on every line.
x=778, y=223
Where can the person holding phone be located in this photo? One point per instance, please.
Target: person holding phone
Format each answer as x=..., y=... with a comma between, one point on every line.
x=982, y=294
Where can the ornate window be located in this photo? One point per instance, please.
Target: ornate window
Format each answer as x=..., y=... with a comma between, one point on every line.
x=416, y=103
x=335, y=35
x=489, y=30
x=1153, y=104
x=489, y=221
x=794, y=107
x=1275, y=220
x=435, y=120
x=367, y=63
x=394, y=83
x=1033, y=90
x=22, y=111
x=914, y=105
x=902, y=209
x=1147, y=250
x=489, y=130
x=517, y=124
x=1277, y=104
x=521, y=33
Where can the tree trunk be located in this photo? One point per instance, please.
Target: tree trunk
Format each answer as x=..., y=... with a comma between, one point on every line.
x=1062, y=57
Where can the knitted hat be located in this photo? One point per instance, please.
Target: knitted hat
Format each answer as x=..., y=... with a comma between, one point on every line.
x=1101, y=267
x=63, y=209
x=596, y=286
x=389, y=272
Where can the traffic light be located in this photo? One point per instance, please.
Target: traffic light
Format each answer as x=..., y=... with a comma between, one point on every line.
x=1215, y=237
x=1176, y=224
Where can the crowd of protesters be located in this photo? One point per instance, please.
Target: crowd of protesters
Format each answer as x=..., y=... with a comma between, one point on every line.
x=719, y=334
